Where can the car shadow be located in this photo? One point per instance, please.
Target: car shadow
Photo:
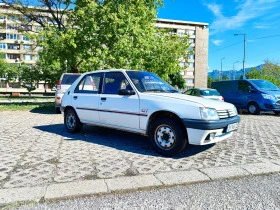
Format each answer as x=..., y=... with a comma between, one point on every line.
x=120, y=140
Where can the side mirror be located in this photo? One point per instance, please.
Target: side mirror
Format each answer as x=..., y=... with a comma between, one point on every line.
x=125, y=92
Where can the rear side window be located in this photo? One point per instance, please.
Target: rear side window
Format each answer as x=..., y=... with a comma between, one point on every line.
x=89, y=84
x=69, y=79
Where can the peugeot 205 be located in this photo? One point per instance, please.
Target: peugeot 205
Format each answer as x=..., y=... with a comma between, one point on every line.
x=141, y=102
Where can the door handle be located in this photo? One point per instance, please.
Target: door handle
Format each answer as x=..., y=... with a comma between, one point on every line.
x=75, y=97
x=103, y=99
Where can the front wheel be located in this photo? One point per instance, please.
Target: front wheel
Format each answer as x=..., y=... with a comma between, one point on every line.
x=167, y=137
x=72, y=122
x=253, y=108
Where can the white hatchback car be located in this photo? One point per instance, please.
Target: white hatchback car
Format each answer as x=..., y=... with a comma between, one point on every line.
x=138, y=101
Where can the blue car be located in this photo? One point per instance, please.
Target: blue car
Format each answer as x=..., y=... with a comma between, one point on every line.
x=254, y=95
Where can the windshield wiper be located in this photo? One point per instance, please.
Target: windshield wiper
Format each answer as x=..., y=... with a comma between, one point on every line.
x=155, y=90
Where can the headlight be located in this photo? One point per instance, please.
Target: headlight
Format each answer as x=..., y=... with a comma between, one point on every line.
x=235, y=110
x=267, y=96
x=209, y=114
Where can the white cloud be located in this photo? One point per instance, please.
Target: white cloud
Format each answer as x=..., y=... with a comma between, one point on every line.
x=217, y=42
x=246, y=11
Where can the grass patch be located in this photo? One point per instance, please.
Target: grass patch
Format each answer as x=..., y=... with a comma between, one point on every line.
x=45, y=107
x=11, y=98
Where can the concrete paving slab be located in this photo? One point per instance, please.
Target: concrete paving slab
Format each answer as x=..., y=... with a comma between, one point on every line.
x=21, y=194
x=181, y=177
x=133, y=182
x=225, y=172
x=261, y=168
x=73, y=189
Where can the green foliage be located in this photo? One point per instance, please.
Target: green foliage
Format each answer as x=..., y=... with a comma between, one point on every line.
x=209, y=81
x=269, y=71
x=177, y=80
x=29, y=76
x=117, y=34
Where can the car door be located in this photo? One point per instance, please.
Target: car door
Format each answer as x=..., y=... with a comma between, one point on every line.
x=86, y=96
x=120, y=111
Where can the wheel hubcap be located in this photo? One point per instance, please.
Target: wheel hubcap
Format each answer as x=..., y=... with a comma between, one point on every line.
x=252, y=109
x=165, y=137
x=70, y=121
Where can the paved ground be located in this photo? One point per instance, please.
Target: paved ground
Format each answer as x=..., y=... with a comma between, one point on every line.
x=37, y=155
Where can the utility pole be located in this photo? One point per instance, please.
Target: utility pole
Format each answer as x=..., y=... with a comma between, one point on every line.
x=244, y=48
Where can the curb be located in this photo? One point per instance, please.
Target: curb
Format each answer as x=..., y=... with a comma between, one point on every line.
x=105, y=186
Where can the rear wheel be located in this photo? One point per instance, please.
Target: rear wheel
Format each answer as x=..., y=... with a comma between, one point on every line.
x=253, y=108
x=167, y=137
x=72, y=122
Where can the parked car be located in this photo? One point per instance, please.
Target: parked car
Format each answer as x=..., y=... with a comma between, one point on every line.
x=63, y=84
x=140, y=102
x=205, y=93
x=254, y=95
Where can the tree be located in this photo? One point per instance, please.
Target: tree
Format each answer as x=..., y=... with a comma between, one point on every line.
x=269, y=71
x=29, y=77
x=116, y=34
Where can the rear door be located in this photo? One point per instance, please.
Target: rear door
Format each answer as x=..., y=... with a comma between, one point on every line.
x=86, y=98
x=118, y=110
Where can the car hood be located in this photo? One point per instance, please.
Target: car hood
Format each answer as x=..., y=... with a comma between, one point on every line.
x=204, y=102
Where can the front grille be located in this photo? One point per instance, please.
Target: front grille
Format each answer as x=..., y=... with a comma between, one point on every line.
x=226, y=113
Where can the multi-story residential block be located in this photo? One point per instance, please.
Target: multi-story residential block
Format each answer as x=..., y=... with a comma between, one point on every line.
x=14, y=44
x=16, y=47
x=195, y=67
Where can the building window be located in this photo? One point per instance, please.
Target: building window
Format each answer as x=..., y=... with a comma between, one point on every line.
x=13, y=46
x=191, y=40
x=189, y=73
x=27, y=47
x=12, y=26
x=189, y=81
x=173, y=31
x=12, y=36
x=191, y=32
x=3, y=45
x=182, y=73
x=37, y=57
x=191, y=65
x=13, y=56
x=24, y=38
x=191, y=56
x=27, y=57
x=181, y=31
x=182, y=64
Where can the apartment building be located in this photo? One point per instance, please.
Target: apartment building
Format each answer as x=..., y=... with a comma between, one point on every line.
x=195, y=67
x=16, y=47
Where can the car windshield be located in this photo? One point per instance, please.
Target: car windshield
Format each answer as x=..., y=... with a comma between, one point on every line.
x=209, y=93
x=149, y=82
x=264, y=85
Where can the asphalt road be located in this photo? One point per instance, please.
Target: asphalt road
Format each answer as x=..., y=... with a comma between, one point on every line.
x=259, y=192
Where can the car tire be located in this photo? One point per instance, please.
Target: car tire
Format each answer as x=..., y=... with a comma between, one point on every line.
x=167, y=137
x=57, y=110
x=72, y=122
x=253, y=108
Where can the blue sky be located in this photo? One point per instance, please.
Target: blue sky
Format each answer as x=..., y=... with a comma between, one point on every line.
x=258, y=19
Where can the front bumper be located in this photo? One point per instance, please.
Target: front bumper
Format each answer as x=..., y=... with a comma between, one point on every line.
x=199, y=131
